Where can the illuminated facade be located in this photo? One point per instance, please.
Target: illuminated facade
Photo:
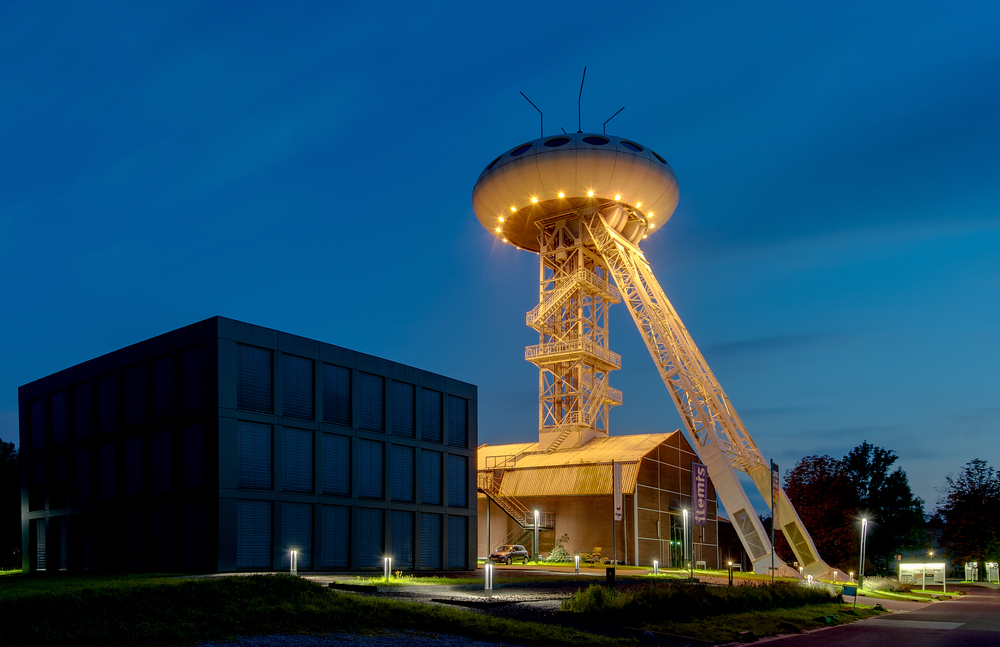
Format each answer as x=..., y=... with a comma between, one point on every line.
x=572, y=490
x=222, y=446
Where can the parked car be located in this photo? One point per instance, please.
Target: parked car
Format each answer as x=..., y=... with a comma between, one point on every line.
x=508, y=553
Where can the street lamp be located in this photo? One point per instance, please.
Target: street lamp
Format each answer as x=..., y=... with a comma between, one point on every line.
x=861, y=567
x=687, y=553
x=536, y=536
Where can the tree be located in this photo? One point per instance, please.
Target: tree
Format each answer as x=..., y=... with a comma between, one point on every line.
x=967, y=511
x=10, y=508
x=832, y=495
x=886, y=499
x=825, y=504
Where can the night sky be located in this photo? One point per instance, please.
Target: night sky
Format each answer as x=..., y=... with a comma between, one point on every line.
x=309, y=167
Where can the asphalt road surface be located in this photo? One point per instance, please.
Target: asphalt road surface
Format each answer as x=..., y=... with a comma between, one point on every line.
x=972, y=620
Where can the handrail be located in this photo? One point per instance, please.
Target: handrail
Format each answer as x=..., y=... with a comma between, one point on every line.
x=573, y=346
x=567, y=285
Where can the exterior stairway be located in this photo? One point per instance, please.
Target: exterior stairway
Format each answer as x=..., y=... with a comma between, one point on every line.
x=490, y=482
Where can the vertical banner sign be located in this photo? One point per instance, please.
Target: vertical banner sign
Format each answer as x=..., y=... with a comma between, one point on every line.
x=699, y=493
x=616, y=478
x=775, y=493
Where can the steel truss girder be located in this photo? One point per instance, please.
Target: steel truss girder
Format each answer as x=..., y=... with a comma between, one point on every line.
x=719, y=436
x=575, y=293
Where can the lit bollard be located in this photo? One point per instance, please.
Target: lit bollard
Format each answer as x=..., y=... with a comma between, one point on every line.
x=851, y=576
x=835, y=577
x=294, y=560
x=656, y=567
x=730, y=573
x=488, y=573
x=810, y=579
x=576, y=563
x=387, y=567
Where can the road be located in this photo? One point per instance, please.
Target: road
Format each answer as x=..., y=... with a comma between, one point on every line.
x=972, y=620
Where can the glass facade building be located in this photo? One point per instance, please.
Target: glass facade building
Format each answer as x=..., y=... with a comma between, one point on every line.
x=222, y=446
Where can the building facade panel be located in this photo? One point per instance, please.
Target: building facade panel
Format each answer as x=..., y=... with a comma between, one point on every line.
x=218, y=446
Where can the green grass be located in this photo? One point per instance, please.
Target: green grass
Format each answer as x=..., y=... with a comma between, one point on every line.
x=716, y=614
x=681, y=601
x=156, y=611
x=727, y=627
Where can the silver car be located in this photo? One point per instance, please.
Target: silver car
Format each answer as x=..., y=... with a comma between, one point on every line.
x=508, y=553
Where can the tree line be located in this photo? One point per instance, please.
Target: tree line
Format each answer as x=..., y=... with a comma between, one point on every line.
x=832, y=495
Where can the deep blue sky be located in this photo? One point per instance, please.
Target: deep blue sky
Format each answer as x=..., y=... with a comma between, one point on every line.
x=309, y=167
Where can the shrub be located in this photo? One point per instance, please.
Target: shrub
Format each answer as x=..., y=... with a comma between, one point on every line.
x=881, y=583
x=680, y=601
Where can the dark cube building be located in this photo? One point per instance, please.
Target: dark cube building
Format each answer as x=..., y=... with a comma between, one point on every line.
x=223, y=446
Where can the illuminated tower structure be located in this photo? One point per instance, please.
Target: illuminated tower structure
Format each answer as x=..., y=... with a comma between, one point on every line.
x=583, y=202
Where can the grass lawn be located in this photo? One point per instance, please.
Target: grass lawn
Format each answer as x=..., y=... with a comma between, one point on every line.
x=139, y=610
x=727, y=627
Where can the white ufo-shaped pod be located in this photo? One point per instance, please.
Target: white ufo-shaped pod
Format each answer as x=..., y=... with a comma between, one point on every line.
x=524, y=184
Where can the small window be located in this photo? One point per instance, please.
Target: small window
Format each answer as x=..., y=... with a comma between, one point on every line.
x=337, y=395
x=371, y=468
x=431, y=416
x=253, y=455
x=657, y=156
x=372, y=402
x=557, y=141
x=297, y=381
x=631, y=146
x=403, y=410
x=520, y=150
x=595, y=141
x=253, y=378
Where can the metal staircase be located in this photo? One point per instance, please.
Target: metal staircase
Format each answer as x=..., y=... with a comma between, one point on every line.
x=597, y=394
x=490, y=482
x=554, y=299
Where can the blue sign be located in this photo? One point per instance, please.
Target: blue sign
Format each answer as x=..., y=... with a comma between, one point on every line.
x=699, y=493
x=850, y=590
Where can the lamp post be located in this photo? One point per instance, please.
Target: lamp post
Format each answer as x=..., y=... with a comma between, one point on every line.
x=686, y=552
x=861, y=567
x=536, y=536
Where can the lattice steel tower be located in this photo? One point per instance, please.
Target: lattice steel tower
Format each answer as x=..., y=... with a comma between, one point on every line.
x=583, y=202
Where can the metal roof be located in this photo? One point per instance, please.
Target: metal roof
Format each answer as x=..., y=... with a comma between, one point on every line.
x=575, y=470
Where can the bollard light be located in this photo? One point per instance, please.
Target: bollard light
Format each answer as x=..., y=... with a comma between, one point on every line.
x=294, y=561
x=835, y=577
x=850, y=576
x=488, y=584
x=576, y=563
x=656, y=567
x=810, y=579
x=387, y=567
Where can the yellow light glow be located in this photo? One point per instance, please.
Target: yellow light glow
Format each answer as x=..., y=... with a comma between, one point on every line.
x=534, y=199
x=501, y=218
x=638, y=204
x=618, y=196
x=513, y=209
x=498, y=230
x=562, y=195
x=505, y=240
x=590, y=194
x=651, y=225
